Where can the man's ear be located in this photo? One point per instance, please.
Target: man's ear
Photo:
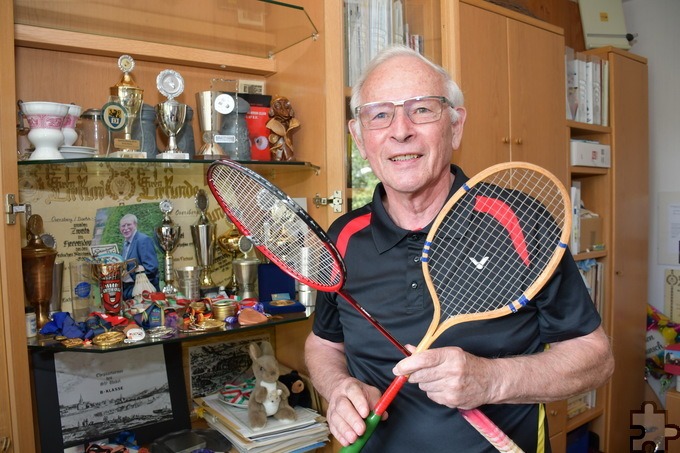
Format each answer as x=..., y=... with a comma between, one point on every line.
x=355, y=130
x=457, y=127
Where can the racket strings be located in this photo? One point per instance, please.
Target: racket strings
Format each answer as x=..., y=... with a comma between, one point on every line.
x=271, y=222
x=495, y=242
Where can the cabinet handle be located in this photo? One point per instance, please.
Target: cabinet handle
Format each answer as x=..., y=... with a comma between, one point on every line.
x=553, y=413
x=5, y=442
x=505, y=140
x=518, y=141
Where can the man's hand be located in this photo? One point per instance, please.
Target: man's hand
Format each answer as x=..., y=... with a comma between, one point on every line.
x=349, y=404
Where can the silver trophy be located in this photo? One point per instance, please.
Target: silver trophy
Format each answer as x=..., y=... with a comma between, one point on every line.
x=168, y=237
x=203, y=235
x=210, y=122
x=171, y=114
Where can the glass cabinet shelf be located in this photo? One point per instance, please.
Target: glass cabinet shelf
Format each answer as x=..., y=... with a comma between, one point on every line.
x=256, y=28
x=48, y=343
x=91, y=163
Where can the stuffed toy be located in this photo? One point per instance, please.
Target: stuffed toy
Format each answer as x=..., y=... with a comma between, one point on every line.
x=269, y=396
x=299, y=395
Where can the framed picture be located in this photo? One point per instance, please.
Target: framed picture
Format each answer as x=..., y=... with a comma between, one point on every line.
x=214, y=364
x=89, y=396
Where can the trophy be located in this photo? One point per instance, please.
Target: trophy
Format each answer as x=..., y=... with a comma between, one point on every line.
x=37, y=262
x=203, y=234
x=171, y=114
x=129, y=96
x=168, y=237
x=210, y=122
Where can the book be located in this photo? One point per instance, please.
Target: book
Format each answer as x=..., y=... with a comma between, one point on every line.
x=582, y=87
x=277, y=436
x=575, y=242
x=597, y=88
x=605, y=93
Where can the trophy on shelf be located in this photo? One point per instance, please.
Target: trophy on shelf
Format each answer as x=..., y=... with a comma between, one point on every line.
x=210, y=122
x=168, y=237
x=245, y=270
x=37, y=260
x=203, y=235
x=171, y=114
x=122, y=112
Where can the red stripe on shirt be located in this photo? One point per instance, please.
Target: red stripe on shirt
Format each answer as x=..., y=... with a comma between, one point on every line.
x=349, y=230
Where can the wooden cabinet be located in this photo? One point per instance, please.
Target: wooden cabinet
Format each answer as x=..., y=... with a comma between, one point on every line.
x=511, y=70
x=620, y=196
x=625, y=310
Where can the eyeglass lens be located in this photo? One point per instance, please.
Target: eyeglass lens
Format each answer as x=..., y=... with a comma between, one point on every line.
x=379, y=115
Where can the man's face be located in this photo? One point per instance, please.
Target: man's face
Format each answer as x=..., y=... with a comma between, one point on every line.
x=127, y=228
x=407, y=157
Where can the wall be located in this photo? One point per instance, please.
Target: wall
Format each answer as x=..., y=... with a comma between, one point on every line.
x=656, y=23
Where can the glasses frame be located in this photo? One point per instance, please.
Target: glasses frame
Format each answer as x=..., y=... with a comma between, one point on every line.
x=443, y=99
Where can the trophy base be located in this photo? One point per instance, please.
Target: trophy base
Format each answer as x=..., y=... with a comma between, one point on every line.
x=211, y=151
x=172, y=155
x=128, y=154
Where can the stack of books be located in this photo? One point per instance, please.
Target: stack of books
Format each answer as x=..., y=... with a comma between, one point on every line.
x=309, y=432
x=580, y=403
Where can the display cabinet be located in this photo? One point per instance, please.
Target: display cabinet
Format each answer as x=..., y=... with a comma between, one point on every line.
x=67, y=53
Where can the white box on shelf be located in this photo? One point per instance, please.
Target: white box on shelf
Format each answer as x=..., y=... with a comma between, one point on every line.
x=590, y=154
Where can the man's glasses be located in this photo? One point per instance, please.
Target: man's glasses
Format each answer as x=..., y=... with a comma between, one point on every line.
x=421, y=109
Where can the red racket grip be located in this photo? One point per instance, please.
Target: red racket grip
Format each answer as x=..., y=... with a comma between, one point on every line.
x=490, y=431
x=374, y=418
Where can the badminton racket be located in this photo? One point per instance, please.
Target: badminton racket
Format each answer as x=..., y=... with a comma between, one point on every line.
x=490, y=250
x=283, y=232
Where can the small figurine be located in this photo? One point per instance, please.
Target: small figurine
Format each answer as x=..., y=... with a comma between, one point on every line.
x=282, y=125
x=269, y=396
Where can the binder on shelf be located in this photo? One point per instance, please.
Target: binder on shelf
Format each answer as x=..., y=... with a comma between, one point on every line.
x=582, y=87
x=605, y=93
x=575, y=242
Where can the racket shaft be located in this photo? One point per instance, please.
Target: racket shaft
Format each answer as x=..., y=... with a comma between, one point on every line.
x=374, y=322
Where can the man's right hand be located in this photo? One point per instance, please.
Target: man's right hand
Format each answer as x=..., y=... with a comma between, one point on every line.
x=349, y=404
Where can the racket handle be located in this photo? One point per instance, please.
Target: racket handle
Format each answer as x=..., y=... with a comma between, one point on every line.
x=371, y=424
x=490, y=431
x=374, y=418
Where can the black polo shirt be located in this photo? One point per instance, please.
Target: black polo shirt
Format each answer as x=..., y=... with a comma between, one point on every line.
x=384, y=275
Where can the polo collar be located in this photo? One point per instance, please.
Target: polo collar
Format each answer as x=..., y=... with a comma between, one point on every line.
x=386, y=234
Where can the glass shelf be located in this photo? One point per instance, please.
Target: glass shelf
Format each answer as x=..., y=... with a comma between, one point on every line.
x=257, y=28
x=259, y=166
x=48, y=343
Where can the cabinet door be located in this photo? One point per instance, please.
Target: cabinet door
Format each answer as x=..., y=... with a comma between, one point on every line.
x=512, y=75
x=536, y=91
x=484, y=80
x=16, y=411
x=627, y=315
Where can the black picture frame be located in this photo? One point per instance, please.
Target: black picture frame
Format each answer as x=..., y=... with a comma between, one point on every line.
x=48, y=408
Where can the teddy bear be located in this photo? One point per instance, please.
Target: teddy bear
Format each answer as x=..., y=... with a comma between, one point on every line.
x=269, y=396
x=299, y=395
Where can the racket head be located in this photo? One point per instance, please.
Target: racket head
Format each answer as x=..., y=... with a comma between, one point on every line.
x=494, y=244
x=275, y=224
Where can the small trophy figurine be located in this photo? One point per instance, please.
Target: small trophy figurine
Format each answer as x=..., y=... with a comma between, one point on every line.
x=126, y=101
x=171, y=114
x=203, y=234
x=168, y=237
